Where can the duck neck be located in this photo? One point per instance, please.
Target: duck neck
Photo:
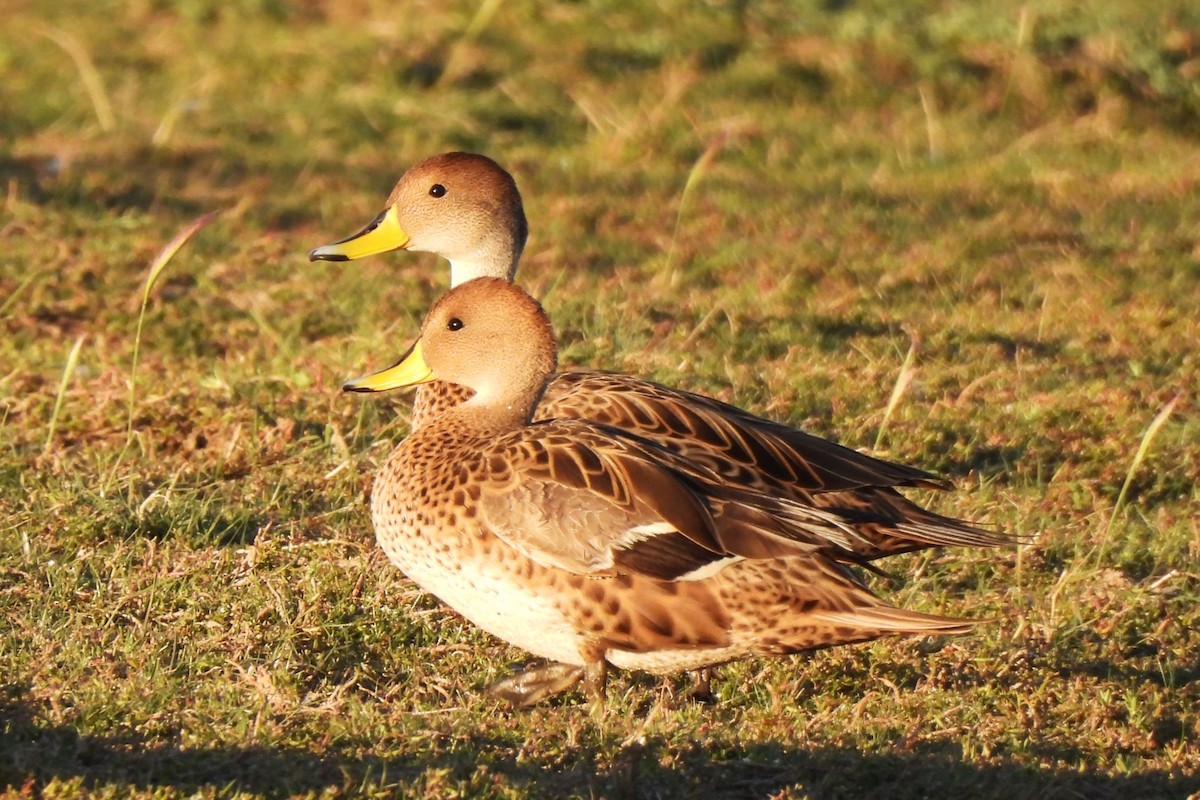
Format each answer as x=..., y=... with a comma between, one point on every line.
x=491, y=414
x=497, y=258
x=487, y=420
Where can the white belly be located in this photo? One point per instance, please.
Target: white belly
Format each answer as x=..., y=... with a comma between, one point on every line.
x=489, y=594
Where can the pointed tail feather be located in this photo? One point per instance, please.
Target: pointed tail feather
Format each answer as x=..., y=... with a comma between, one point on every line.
x=897, y=620
x=946, y=532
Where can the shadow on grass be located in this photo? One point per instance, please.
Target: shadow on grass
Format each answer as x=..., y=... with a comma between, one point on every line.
x=833, y=333
x=123, y=174
x=1168, y=674
x=1013, y=346
x=140, y=178
x=33, y=753
x=983, y=460
x=31, y=171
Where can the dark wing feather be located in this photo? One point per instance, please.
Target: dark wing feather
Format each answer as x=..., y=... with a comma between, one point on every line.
x=810, y=478
x=738, y=445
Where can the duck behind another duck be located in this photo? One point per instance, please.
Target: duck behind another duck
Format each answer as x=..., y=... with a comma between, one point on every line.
x=466, y=208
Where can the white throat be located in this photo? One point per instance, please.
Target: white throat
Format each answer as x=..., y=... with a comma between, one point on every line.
x=463, y=270
x=482, y=264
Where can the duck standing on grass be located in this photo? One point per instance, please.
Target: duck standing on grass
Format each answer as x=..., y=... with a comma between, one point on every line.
x=466, y=208
x=587, y=545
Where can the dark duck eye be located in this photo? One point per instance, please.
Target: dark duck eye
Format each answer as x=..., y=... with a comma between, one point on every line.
x=437, y=190
x=455, y=324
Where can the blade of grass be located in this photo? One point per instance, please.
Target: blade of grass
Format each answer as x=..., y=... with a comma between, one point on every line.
x=695, y=175
x=482, y=18
x=88, y=73
x=68, y=370
x=22, y=286
x=933, y=128
x=908, y=371
x=478, y=24
x=1152, y=430
x=166, y=126
x=1026, y=19
x=1094, y=558
x=156, y=267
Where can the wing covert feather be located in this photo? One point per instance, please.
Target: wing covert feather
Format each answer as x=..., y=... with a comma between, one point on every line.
x=567, y=495
x=736, y=444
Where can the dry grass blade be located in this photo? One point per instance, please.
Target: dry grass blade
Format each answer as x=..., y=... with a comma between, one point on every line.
x=16, y=293
x=156, y=267
x=478, y=24
x=695, y=175
x=166, y=126
x=68, y=370
x=482, y=18
x=1152, y=430
x=908, y=371
x=933, y=130
x=1026, y=19
x=88, y=73
x=168, y=252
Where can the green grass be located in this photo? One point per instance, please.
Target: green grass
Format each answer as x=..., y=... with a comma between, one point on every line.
x=771, y=203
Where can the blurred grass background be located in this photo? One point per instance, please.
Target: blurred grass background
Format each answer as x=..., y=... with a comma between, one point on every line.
x=196, y=605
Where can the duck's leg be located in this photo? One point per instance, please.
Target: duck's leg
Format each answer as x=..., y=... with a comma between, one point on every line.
x=701, y=690
x=534, y=684
x=594, y=680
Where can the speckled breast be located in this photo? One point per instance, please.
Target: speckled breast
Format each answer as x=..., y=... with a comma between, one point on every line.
x=447, y=554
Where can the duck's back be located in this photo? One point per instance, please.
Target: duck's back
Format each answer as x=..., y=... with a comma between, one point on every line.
x=750, y=452
x=759, y=454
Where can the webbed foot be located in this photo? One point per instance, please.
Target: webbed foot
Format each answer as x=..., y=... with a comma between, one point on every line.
x=534, y=684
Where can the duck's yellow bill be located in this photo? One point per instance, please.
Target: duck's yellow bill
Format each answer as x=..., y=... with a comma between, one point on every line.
x=410, y=370
x=383, y=235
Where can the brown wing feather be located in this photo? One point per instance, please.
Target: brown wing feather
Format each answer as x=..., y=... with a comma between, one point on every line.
x=592, y=499
x=807, y=474
x=886, y=523
x=811, y=603
x=563, y=493
x=747, y=445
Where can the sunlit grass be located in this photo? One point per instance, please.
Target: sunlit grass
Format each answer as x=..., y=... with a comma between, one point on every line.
x=89, y=76
x=965, y=234
x=68, y=370
x=152, y=275
x=1143, y=448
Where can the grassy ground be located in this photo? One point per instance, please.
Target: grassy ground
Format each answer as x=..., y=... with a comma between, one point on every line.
x=191, y=601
